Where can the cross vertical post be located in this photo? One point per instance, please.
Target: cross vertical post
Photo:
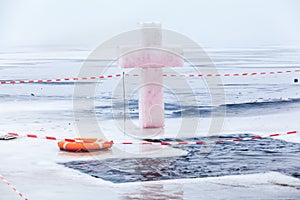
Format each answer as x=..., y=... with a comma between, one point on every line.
x=151, y=57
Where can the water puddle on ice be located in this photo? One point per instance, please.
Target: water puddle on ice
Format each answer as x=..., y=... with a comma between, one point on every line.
x=244, y=157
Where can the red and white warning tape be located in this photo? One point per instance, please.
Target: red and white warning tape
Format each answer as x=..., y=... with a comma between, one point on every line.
x=162, y=143
x=78, y=79
x=75, y=79
x=42, y=137
x=13, y=187
x=234, y=74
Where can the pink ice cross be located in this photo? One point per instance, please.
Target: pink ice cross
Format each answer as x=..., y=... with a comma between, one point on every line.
x=151, y=57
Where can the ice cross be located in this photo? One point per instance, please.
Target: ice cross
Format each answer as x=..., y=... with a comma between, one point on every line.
x=151, y=57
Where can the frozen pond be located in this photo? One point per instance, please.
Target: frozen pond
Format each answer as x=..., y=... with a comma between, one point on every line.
x=254, y=105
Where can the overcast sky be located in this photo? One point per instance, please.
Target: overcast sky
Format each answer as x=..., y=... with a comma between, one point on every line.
x=213, y=23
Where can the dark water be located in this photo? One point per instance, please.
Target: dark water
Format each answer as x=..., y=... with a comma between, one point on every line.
x=244, y=157
x=174, y=110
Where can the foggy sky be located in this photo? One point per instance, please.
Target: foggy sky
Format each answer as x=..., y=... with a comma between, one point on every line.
x=215, y=23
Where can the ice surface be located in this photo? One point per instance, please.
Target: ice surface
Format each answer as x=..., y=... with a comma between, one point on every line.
x=257, y=105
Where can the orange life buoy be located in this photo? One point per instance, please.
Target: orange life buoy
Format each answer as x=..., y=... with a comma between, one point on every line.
x=85, y=145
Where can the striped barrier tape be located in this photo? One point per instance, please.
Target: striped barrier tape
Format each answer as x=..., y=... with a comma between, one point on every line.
x=75, y=79
x=78, y=79
x=160, y=143
x=13, y=187
x=42, y=137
